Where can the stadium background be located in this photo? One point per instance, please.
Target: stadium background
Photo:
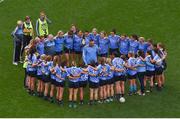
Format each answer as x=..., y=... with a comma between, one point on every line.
x=157, y=19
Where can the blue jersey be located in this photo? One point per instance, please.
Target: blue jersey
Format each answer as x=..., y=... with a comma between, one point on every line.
x=60, y=73
x=143, y=46
x=95, y=78
x=95, y=38
x=40, y=67
x=158, y=60
x=141, y=68
x=47, y=66
x=59, y=43
x=53, y=74
x=132, y=63
x=110, y=74
x=49, y=47
x=118, y=63
x=87, y=39
x=133, y=46
x=124, y=46
x=68, y=42
x=40, y=48
x=77, y=43
x=18, y=31
x=84, y=76
x=73, y=71
x=90, y=54
x=104, y=71
x=103, y=46
x=149, y=65
x=31, y=60
x=113, y=41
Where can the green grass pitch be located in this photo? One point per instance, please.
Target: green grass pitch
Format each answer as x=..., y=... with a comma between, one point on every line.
x=157, y=19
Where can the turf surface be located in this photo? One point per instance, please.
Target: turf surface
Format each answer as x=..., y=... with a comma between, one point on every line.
x=158, y=19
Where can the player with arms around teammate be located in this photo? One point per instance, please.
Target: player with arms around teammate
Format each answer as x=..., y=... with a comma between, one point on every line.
x=132, y=72
x=31, y=70
x=119, y=75
x=73, y=74
x=93, y=83
x=141, y=69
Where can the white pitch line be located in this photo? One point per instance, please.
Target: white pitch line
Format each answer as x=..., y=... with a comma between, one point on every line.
x=1, y=1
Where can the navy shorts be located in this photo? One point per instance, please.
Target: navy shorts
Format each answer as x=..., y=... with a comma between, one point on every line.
x=66, y=50
x=108, y=82
x=102, y=82
x=103, y=55
x=164, y=65
x=132, y=76
x=46, y=78
x=78, y=52
x=120, y=78
x=111, y=81
x=159, y=71
x=150, y=73
x=82, y=84
x=53, y=81
x=60, y=84
x=39, y=77
x=113, y=51
x=31, y=73
x=93, y=85
x=73, y=84
x=59, y=53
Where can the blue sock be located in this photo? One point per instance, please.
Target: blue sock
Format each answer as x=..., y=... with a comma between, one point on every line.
x=134, y=88
x=131, y=88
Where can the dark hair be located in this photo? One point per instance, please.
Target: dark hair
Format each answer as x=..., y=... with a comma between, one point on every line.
x=102, y=61
x=123, y=57
x=150, y=41
x=83, y=65
x=156, y=50
x=162, y=46
x=49, y=58
x=55, y=60
x=149, y=52
x=131, y=54
x=114, y=30
x=64, y=63
x=155, y=45
x=141, y=53
x=134, y=36
x=70, y=32
x=91, y=40
x=93, y=63
x=32, y=51
x=116, y=54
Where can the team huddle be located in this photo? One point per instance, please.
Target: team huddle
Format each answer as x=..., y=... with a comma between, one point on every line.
x=101, y=62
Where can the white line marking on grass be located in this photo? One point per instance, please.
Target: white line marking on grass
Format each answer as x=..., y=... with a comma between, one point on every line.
x=1, y=1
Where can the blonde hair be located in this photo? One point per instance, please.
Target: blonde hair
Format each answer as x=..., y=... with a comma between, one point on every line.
x=141, y=38
x=108, y=61
x=43, y=57
x=19, y=22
